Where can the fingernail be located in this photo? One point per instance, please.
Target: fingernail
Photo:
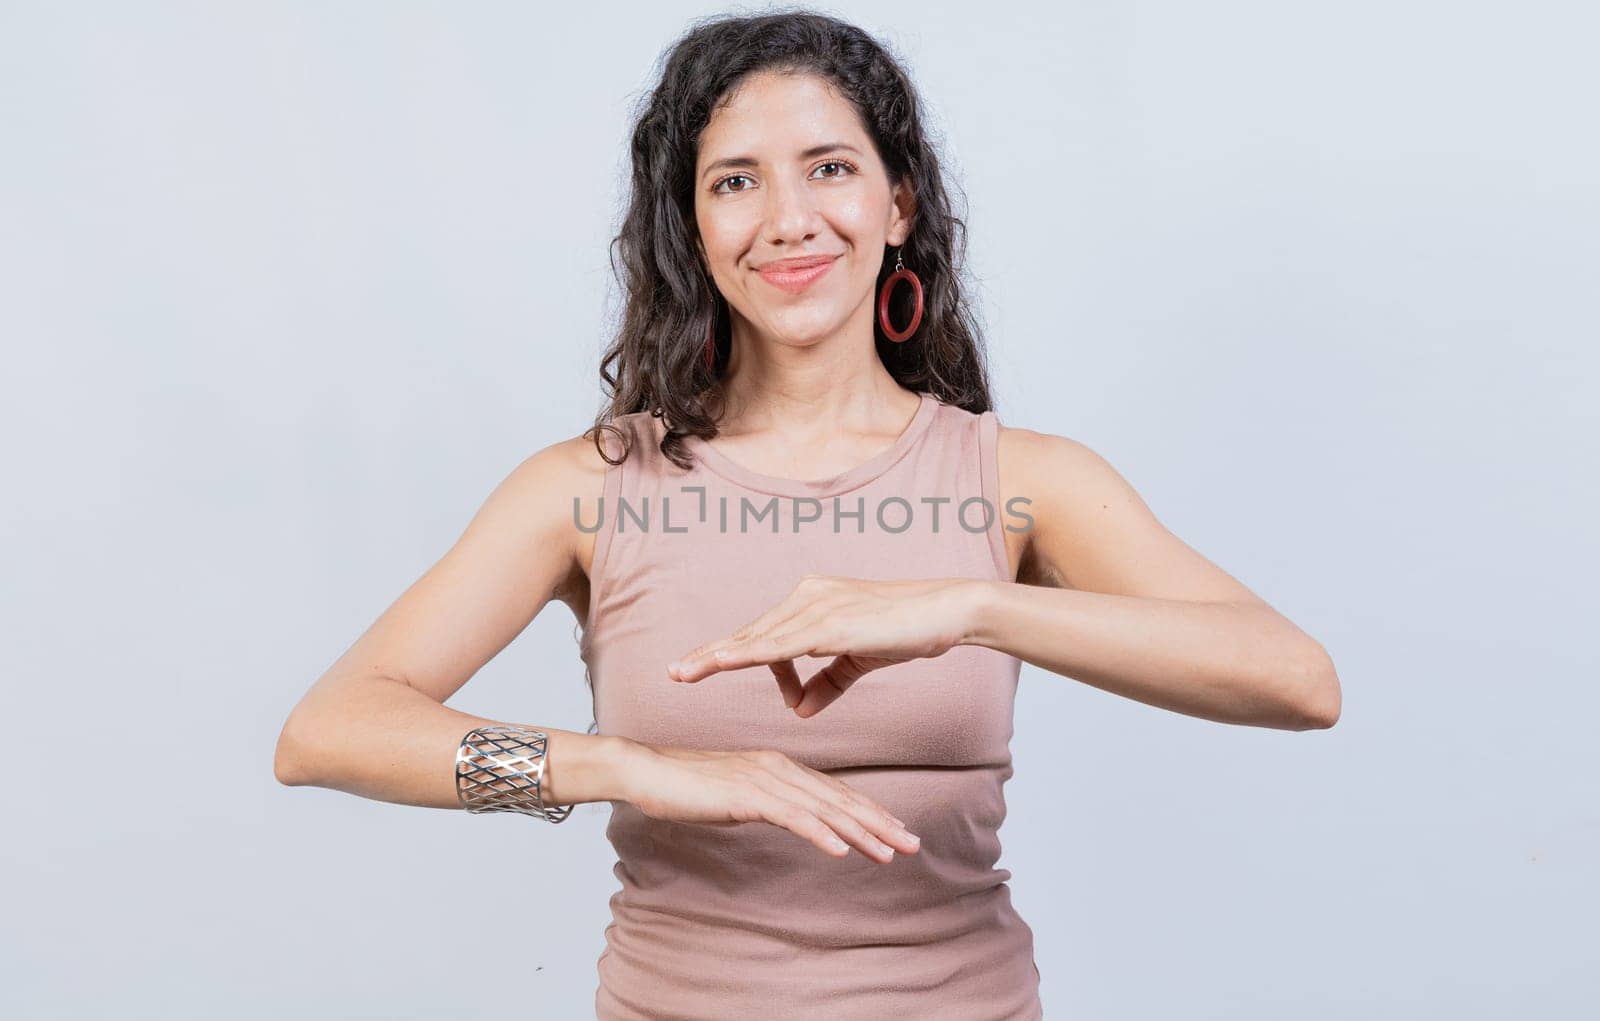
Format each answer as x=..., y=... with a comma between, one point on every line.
x=913, y=838
x=838, y=845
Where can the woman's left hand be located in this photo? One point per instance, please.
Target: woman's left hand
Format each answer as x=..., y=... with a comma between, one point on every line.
x=864, y=624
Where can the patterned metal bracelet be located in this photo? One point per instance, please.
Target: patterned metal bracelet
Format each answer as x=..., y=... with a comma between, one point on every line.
x=501, y=769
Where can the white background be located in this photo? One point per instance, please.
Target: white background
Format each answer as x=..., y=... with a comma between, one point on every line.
x=286, y=289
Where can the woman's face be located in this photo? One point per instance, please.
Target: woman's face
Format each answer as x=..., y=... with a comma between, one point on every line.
x=786, y=171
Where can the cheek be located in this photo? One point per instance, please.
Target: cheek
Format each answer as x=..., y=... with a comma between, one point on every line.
x=726, y=237
x=862, y=220
x=855, y=214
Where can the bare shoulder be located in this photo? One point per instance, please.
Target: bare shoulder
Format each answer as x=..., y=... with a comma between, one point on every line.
x=519, y=550
x=557, y=483
x=1038, y=462
x=575, y=464
x=1092, y=530
x=1047, y=485
x=530, y=522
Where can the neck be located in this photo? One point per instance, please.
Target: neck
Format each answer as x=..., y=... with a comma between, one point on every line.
x=837, y=384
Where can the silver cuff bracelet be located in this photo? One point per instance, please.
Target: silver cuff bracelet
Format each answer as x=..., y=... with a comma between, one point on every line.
x=501, y=769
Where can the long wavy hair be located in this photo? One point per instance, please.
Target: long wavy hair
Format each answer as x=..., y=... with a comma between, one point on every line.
x=656, y=361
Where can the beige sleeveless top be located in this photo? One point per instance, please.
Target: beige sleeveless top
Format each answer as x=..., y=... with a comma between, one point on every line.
x=754, y=921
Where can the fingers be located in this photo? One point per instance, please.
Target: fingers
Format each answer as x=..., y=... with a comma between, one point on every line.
x=827, y=684
x=760, y=625
x=830, y=814
x=768, y=648
x=788, y=682
x=704, y=660
x=735, y=653
x=838, y=796
x=796, y=819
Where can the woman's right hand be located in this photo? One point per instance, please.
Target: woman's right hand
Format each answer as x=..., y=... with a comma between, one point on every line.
x=725, y=788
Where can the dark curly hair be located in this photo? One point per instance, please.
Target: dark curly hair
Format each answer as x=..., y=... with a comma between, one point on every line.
x=670, y=300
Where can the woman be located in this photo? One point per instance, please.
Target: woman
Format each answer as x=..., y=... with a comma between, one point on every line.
x=804, y=637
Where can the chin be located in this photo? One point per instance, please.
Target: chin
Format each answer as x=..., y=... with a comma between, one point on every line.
x=804, y=333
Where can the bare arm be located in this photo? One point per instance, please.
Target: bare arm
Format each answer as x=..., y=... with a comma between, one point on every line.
x=375, y=724
x=1117, y=601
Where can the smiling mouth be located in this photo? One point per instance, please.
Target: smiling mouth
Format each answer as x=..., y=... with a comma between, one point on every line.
x=795, y=281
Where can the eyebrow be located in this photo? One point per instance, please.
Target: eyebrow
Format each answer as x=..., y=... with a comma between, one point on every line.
x=750, y=161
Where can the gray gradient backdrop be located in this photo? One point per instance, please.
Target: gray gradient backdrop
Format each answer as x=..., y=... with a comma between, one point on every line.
x=286, y=289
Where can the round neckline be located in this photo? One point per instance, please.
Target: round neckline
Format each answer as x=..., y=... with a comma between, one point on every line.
x=849, y=479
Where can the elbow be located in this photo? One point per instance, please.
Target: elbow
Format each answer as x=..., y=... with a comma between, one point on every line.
x=1317, y=699
x=1322, y=712
x=288, y=758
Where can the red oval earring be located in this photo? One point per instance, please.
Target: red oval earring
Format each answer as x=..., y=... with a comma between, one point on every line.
x=900, y=273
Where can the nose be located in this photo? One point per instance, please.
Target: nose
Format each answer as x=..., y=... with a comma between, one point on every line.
x=791, y=213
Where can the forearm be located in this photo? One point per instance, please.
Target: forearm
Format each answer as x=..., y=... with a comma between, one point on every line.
x=382, y=739
x=1231, y=663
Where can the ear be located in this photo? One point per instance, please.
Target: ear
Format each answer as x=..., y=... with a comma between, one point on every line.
x=902, y=213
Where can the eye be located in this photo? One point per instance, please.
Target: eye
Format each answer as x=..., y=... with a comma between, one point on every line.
x=838, y=163
x=845, y=169
x=731, y=177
